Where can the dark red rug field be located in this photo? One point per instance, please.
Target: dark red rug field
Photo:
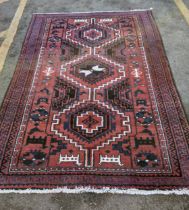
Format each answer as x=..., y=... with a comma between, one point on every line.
x=92, y=103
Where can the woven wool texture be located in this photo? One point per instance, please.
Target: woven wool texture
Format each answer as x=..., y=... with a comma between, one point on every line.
x=93, y=104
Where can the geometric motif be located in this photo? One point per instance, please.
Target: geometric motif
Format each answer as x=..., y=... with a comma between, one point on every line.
x=93, y=34
x=70, y=50
x=119, y=95
x=64, y=94
x=91, y=123
x=92, y=70
x=116, y=51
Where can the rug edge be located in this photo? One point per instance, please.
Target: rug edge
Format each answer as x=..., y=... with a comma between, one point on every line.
x=181, y=109
x=78, y=190
x=170, y=71
x=94, y=12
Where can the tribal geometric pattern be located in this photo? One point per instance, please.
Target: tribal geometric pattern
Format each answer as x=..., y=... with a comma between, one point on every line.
x=92, y=103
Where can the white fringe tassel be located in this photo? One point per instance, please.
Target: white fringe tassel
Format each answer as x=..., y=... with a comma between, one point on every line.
x=134, y=10
x=103, y=190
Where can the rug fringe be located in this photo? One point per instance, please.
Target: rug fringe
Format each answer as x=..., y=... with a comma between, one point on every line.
x=134, y=10
x=183, y=191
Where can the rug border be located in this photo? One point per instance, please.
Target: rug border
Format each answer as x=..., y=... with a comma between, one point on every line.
x=169, y=70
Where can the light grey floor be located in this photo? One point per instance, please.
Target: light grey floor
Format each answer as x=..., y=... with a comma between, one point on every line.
x=175, y=34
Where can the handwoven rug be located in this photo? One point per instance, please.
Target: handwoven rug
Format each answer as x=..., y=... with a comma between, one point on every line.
x=92, y=104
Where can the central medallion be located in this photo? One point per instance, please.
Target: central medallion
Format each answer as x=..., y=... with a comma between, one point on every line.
x=93, y=34
x=90, y=121
x=90, y=124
